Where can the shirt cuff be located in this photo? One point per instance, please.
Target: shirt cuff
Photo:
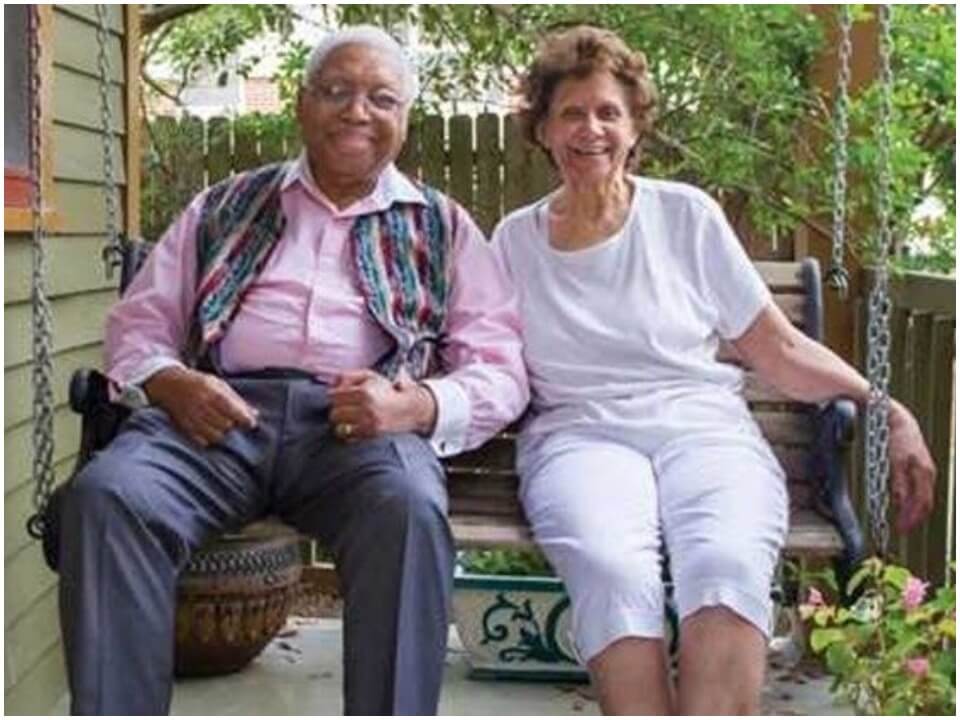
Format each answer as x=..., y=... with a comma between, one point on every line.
x=453, y=416
x=131, y=393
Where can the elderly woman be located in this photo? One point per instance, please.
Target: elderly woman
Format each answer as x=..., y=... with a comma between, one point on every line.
x=304, y=341
x=626, y=285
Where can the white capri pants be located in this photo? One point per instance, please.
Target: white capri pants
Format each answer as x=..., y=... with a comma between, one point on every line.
x=597, y=507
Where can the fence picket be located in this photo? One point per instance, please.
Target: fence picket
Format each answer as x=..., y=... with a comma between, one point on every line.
x=938, y=535
x=272, y=141
x=488, y=203
x=218, y=149
x=461, y=161
x=191, y=166
x=292, y=141
x=899, y=323
x=516, y=190
x=433, y=146
x=246, y=154
x=409, y=160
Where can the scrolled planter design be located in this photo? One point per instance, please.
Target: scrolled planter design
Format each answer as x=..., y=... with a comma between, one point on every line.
x=515, y=627
x=233, y=598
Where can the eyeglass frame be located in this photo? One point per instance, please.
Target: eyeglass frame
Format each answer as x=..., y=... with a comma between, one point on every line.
x=341, y=95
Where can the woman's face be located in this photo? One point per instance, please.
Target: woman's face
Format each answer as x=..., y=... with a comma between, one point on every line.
x=589, y=130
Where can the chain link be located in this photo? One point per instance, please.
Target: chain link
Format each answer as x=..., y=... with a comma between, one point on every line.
x=837, y=276
x=879, y=306
x=112, y=251
x=42, y=316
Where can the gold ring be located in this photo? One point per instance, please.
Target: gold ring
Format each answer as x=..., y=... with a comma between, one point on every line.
x=345, y=430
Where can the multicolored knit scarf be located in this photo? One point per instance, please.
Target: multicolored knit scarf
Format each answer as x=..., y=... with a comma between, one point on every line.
x=402, y=256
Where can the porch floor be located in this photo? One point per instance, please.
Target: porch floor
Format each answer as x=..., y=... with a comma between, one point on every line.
x=299, y=673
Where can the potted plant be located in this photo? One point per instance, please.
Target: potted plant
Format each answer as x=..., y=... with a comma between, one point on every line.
x=893, y=650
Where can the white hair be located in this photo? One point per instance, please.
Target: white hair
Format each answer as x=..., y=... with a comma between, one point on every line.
x=370, y=36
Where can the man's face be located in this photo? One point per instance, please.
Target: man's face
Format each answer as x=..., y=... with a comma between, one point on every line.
x=353, y=114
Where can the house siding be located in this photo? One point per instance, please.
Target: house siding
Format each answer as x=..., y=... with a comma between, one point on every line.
x=80, y=295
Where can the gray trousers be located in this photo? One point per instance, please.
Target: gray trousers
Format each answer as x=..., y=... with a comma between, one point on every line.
x=136, y=512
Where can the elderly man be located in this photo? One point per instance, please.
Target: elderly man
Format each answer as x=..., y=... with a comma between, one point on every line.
x=304, y=340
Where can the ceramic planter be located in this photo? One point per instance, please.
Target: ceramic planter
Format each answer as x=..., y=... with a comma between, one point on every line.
x=515, y=627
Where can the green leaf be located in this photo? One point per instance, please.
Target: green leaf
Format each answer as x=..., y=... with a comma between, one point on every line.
x=897, y=707
x=948, y=628
x=840, y=659
x=946, y=663
x=896, y=576
x=859, y=577
x=822, y=637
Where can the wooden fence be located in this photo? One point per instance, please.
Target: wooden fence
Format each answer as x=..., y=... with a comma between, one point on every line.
x=923, y=377
x=481, y=161
x=485, y=164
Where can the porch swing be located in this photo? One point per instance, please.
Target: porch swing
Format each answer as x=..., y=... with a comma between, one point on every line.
x=484, y=510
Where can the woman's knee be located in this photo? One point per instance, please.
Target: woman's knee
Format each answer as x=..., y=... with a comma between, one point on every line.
x=608, y=566
x=727, y=578
x=736, y=564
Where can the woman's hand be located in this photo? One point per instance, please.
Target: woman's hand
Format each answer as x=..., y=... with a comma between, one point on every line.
x=912, y=471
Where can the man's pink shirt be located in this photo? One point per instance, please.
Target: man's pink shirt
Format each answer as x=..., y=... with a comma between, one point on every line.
x=306, y=311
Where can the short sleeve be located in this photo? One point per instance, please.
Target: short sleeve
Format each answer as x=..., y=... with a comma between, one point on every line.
x=732, y=281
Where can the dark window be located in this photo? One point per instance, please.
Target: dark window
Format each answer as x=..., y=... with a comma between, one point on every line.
x=15, y=86
x=16, y=106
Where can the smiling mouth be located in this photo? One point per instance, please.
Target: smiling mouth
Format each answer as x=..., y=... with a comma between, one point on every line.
x=590, y=152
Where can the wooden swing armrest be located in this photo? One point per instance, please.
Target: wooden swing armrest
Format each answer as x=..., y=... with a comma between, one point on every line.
x=835, y=423
x=101, y=418
x=88, y=388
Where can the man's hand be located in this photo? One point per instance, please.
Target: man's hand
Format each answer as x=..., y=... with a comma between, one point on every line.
x=912, y=471
x=202, y=406
x=366, y=404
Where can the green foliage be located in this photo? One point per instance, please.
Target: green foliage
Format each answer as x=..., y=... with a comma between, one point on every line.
x=738, y=114
x=893, y=651
x=923, y=148
x=504, y=562
x=208, y=39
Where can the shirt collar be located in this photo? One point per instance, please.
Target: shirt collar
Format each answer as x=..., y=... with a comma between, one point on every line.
x=392, y=186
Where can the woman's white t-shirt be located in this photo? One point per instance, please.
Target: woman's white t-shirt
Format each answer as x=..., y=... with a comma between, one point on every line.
x=624, y=334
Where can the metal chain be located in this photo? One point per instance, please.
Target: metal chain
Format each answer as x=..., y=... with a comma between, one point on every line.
x=42, y=316
x=112, y=251
x=837, y=276
x=878, y=363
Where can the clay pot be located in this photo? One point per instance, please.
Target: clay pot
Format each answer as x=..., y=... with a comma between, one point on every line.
x=234, y=597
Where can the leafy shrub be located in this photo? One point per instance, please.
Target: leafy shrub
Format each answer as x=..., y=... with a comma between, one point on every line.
x=505, y=562
x=893, y=651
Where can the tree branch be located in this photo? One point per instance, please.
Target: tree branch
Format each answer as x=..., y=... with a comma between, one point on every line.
x=158, y=15
x=159, y=88
x=151, y=44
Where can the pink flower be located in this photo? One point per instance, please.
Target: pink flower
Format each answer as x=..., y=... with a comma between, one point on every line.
x=918, y=666
x=913, y=593
x=815, y=598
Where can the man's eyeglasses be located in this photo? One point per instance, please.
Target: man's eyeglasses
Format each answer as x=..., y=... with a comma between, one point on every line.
x=341, y=96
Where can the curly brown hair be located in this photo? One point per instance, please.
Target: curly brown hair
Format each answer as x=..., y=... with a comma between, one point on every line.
x=578, y=52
